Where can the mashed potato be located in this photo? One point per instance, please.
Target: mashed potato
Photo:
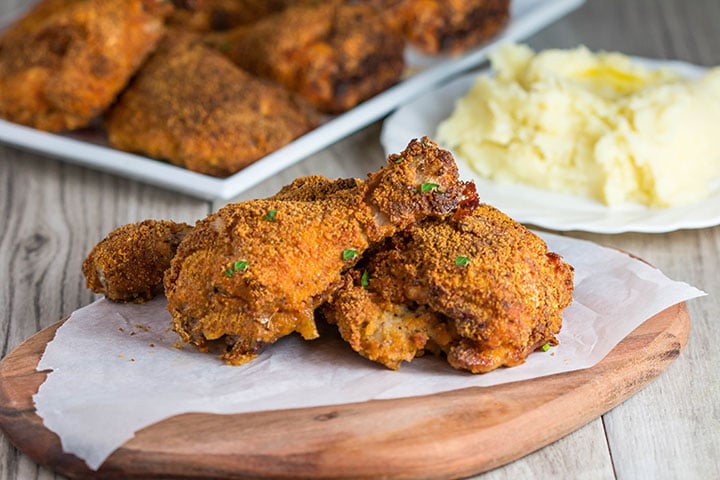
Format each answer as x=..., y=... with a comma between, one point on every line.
x=598, y=125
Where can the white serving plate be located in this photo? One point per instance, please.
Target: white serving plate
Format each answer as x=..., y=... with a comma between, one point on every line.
x=90, y=148
x=543, y=208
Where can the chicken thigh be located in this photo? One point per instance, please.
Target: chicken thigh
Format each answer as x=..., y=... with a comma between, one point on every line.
x=479, y=287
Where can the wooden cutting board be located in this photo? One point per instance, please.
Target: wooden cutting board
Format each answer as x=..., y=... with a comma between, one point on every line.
x=452, y=434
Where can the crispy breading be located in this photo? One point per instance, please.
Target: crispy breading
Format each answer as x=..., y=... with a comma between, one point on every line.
x=65, y=61
x=335, y=54
x=192, y=107
x=448, y=26
x=255, y=271
x=490, y=282
x=129, y=263
x=219, y=15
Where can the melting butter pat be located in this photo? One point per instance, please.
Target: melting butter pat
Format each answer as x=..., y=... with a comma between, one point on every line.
x=597, y=125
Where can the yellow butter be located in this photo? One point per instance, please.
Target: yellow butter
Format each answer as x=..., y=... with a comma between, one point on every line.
x=598, y=125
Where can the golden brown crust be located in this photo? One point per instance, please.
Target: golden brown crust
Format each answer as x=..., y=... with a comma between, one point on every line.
x=448, y=26
x=256, y=271
x=335, y=54
x=192, y=107
x=315, y=187
x=256, y=276
x=422, y=178
x=489, y=280
x=379, y=329
x=220, y=15
x=65, y=62
x=128, y=265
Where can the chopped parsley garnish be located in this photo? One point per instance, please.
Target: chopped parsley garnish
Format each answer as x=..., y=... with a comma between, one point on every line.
x=429, y=187
x=349, y=254
x=461, y=261
x=270, y=215
x=365, y=279
x=237, y=266
x=545, y=347
x=398, y=159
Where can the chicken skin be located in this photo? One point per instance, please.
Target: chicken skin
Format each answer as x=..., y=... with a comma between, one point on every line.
x=335, y=54
x=479, y=287
x=448, y=26
x=256, y=271
x=220, y=15
x=64, y=62
x=192, y=107
x=128, y=265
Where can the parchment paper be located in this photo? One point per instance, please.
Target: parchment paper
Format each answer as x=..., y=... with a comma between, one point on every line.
x=116, y=368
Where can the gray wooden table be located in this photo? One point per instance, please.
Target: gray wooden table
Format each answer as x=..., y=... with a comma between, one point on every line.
x=52, y=213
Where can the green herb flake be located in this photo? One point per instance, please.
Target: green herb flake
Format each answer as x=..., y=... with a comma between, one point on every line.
x=365, y=279
x=429, y=187
x=270, y=215
x=545, y=347
x=461, y=261
x=398, y=159
x=237, y=266
x=349, y=254
x=224, y=46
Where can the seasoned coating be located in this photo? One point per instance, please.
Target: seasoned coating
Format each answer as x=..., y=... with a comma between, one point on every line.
x=192, y=107
x=128, y=265
x=335, y=54
x=482, y=288
x=448, y=26
x=65, y=61
x=379, y=329
x=315, y=187
x=220, y=15
x=255, y=271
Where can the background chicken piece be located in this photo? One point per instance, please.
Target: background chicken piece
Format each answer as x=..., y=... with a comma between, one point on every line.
x=219, y=15
x=255, y=271
x=192, y=107
x=448, y=26
x=336, y=54
x=128, y=265
x=491, y=282
x=64, y=63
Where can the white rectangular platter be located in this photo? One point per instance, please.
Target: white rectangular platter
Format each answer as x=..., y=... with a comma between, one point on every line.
x=90, y=148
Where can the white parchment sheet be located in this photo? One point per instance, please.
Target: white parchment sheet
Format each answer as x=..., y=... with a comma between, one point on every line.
x=116, y=368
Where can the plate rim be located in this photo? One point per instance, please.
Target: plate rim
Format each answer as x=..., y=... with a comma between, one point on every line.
x=596, y=225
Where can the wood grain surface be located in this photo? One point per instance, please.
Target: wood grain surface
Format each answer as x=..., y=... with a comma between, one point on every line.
x=52, y=213
x=451, y=434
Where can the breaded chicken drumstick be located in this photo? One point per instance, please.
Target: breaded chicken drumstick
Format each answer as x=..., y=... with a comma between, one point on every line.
x=255, y=271
x=129, y=263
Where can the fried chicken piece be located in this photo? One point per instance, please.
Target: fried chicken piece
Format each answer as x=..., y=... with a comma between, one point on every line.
x=482, y=289
x=192, y=107
x=335, y=54
x=434, y=26
x=220, y=15
x=314, y=188
x=255, y=271
x=128, y=265
x=64, y=62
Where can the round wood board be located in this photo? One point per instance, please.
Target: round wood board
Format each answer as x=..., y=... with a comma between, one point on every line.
x=452, y=434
